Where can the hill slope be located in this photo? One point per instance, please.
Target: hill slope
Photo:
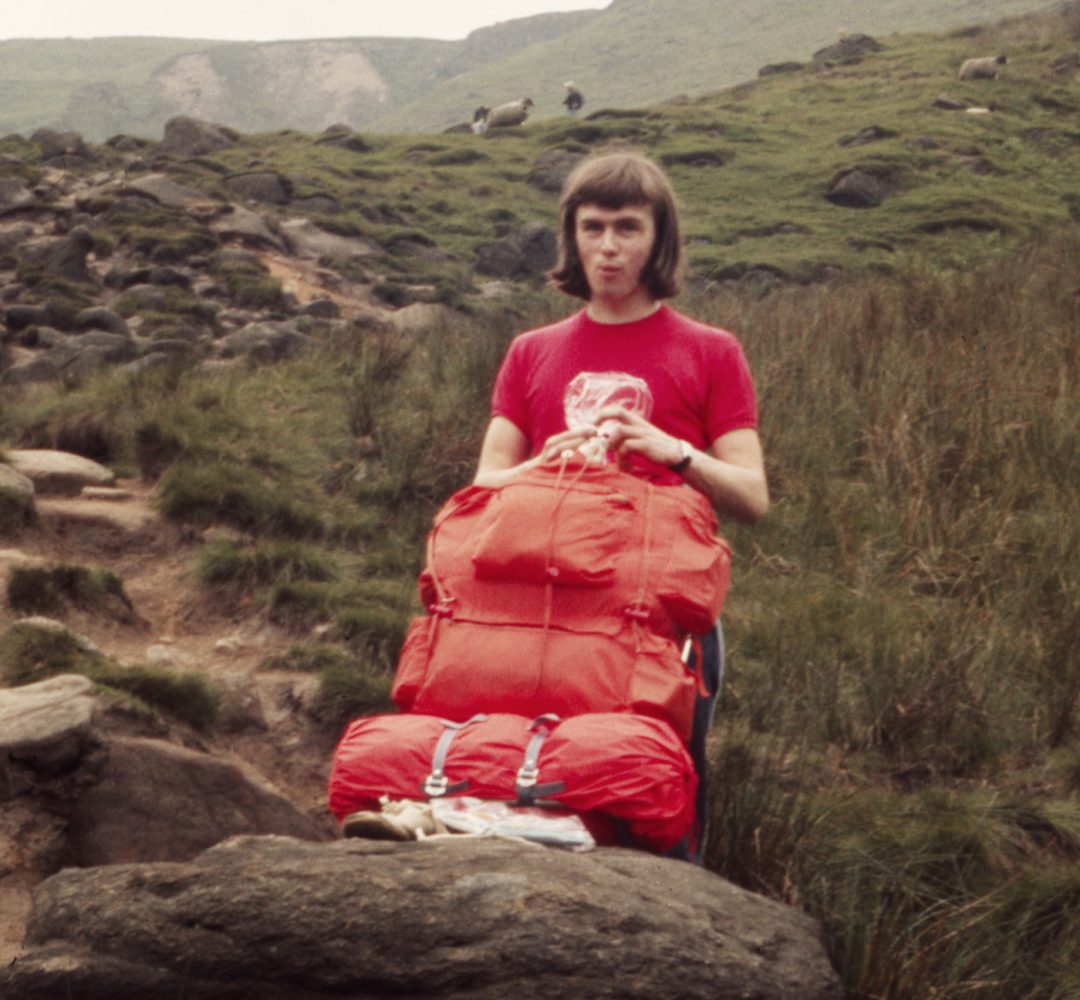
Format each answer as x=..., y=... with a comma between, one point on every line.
x=633, y=52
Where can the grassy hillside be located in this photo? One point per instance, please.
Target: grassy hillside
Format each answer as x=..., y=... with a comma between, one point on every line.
x=39, y=79
x=633, y=53
x=898, y=742
x=752, y=165
x=641, y=51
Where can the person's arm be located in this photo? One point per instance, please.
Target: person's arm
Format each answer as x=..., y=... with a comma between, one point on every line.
x=731, y=473
x=505, y=451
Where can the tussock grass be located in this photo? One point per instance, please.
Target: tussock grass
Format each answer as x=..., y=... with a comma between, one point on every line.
x=33, y=651
x=45, y=590
x=899, y=740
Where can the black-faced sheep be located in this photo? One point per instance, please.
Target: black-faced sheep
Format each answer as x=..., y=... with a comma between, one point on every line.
x=984, y=68
x=479, y=119
x=506, y=115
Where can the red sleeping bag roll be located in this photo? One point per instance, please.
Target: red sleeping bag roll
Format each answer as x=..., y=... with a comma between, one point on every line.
x=624, y=766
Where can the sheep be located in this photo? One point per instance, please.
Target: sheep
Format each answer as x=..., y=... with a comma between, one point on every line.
x=574, y=99
x=479, y=120
x=985, y=68
x=506, y=115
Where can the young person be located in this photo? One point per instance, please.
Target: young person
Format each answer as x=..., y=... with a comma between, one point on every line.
x=694, y=418
x=620, y=251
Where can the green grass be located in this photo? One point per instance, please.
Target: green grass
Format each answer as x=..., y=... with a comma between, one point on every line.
x=31, y=651
x=751, y=164
x=898, y=741
x=50, y=589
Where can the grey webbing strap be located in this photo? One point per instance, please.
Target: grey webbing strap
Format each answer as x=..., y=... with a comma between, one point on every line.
x=526, y=785
x=436, y=783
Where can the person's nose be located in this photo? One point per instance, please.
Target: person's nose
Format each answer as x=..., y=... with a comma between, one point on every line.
x=607, y=240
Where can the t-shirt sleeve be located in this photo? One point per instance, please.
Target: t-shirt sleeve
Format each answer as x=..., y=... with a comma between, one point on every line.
x=732, y=397
x=509, y=397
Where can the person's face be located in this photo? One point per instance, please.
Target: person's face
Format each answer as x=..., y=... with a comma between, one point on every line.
x=614, y=246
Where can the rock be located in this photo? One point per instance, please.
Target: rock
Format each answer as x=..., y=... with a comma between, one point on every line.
x=58, y=472
x=100, y=318
x=859, y=189
x=420, y=316
x=20, y=317
x=947, y=103
x=56, y=145
x=64, y=256
x=267, y=341
x=264, y=185
x=189, y=136
x=552, y=168
x=14, y=195
x=39, y=369
x=530, y=250
x=849, y=49
x=454, y=917
x=322, y=308
x=44, y=730
x=875, y=133
x=306, y=240
x=246, y=226
x=774, y=69
x=317, y=204
x=343, y=136
x=185, y=801
x=14, y=483
x=13, y=234
x=164, y=191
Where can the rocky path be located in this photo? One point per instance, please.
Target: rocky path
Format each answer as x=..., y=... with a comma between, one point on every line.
x=267, y=728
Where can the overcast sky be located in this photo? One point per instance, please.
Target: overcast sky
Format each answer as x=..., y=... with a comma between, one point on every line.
x=267, y=20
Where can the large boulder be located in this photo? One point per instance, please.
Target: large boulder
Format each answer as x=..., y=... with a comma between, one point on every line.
x=164, y=190
x=528, y=251
x=185, y=801
x=188, y=136
x=305, y=239
x=44, y=730
x=266, y=341
x=278, y=918
x=58, y=472
x=61, y=148
x=860, y=188
x=260, y=185
x=63, y=256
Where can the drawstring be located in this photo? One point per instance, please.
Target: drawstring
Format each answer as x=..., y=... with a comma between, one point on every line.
x=637, y=612
x=551, y=571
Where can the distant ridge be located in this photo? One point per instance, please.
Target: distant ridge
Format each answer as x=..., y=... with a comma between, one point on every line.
x=632, y=53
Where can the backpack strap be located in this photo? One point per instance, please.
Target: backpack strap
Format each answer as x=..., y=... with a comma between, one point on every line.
x=526, y=786
x=437, y=784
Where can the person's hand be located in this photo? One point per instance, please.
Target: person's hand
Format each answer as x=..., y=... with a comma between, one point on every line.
x=627, y=432
x=570, y=440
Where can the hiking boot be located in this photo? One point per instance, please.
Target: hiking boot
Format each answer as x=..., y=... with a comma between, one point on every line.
x=400, y=819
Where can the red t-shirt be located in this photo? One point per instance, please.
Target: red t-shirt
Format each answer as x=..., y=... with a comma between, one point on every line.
x=697, y=375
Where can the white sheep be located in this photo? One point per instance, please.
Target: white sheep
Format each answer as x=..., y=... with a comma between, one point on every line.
x=506, y=115
x=984, y=68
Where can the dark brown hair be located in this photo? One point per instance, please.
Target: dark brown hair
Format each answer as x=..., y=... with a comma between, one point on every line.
x=612, y=181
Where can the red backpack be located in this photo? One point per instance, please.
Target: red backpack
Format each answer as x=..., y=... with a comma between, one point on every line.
x=601, y=766
x=568, y=590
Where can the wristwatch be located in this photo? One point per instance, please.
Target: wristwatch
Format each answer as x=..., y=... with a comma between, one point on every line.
x=686, y=453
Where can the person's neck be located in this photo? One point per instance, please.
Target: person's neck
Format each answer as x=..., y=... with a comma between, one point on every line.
x=608, y=311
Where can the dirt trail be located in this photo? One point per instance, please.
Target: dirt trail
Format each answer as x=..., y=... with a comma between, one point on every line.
x=178, y=626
